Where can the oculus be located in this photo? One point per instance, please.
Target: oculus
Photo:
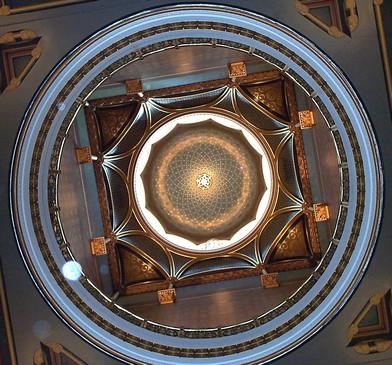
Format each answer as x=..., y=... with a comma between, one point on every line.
x=168, y=198
x=204, y=181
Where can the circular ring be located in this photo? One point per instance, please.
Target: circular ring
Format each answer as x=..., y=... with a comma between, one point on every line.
x=36, y=158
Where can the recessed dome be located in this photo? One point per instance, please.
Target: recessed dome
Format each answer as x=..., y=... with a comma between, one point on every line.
x=200, y=183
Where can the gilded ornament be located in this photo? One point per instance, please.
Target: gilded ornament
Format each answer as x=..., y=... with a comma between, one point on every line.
x=321, y=212
x=237, y=69
x=270, y=280
x=167, y=296
x=5, y=10
x=98, y=246
x=133, y=87
x=83, y=155
x=306, y=119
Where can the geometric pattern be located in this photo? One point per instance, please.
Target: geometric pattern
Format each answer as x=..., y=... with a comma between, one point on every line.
x=18, y=53
x=287, y=238
x=371, y=330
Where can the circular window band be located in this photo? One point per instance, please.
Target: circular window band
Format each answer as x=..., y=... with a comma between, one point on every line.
x=208, y=351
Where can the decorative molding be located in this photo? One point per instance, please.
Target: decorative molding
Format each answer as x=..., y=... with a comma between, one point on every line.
x=237, y=69
x=371, y=330
x=306, y=119
x=6, y=335
x=349, y=108
x=16, y=46
x=133, y=87
x=384, y=48
x=56, y=354
x=309, y=283
x=343, y=14
x=20, y=35
x=98, y=246
x=278, y=98
x=166, y=296
x=83, y=155
x=7, y=10
x=321, y=212
x=270, y=280
x=351, y=15
x=366, y=348
x=304, y=9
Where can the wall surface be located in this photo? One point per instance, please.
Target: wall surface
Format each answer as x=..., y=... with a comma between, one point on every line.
x=61, y=30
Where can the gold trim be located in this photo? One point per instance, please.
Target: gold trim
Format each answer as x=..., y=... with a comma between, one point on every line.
x=39, y=357
x=237, y=69
x=223, y=87
x=133, y=87
x=331, y=30
x=270, y=280
x=373, y=301
x=351, y=14
x=7, y=320
x=98, y=246
x=384, y=48
x=6, y=10
x=371, y=347
x=16, y=81
x=166, y=296
x=306, y=119
x=273, y=198
x=11, y=37
x=321, y=212
x=83, y=155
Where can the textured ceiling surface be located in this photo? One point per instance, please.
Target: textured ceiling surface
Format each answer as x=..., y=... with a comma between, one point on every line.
x=231, y=195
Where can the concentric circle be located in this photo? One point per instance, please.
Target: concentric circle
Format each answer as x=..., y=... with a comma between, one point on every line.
x=38, y=225
x=202, y=182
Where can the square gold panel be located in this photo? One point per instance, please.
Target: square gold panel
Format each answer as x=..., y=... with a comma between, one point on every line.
x=237, y=69
x=98, y=246
x=270, y=280
x=306, y=119
x=321, y=212
x=133, y=87
x=166, y=296
x=83, y=155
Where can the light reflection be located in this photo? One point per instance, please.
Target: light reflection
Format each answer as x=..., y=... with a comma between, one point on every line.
x=72, y=270
x=42, y=329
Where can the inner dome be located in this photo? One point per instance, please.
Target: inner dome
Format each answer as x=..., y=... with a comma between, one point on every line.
x=202, y=182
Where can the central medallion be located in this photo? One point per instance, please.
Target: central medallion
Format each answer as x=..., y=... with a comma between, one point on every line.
x=187, y=155
x=204, y=181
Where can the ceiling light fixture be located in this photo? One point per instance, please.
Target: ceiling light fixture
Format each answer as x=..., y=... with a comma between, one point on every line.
x=204, y=181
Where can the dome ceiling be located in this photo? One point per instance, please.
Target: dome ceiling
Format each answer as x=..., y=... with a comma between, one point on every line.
x=36, y=175
x=203, y=181
x=251, y=216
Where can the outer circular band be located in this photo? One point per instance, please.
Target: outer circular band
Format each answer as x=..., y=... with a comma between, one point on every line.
x=39, y=146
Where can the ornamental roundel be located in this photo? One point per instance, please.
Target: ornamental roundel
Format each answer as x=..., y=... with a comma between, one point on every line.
x=202, y=182
x=36, y=174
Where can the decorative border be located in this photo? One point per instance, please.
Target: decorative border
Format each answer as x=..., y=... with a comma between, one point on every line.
x=384, y=47
x=7, y=338
x=349, y=248
x=51, y=352
x=7, y=10
x=17, y=44
x=225, y=331
x=231, y=272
